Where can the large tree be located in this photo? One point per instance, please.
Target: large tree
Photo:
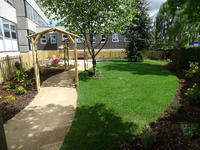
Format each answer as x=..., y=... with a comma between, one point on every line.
x=173, y=28
x=139, y=32
x=92, y=18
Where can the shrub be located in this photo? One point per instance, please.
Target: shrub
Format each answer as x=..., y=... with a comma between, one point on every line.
x=10, y=86
x=183, y=56
x=1, y=97
x=55, y=62
x=173, y=110
x=20, y=75
x=193, y=94
x=9, y=99
x=148, y=138
x=20, y=90
x=190, y=130
x=194, y=71
x=28, y=83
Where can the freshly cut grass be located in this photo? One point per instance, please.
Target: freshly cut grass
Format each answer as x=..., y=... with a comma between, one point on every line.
x=112, y=109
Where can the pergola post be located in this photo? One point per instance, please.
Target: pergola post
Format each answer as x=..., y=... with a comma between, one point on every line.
x=76, y=62
x=65, y=47
x=68, y=53
x=36, y=69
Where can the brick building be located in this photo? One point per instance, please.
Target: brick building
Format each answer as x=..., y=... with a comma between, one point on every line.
x=52, y=41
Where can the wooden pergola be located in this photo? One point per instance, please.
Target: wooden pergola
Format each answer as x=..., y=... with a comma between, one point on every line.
x=71, y=37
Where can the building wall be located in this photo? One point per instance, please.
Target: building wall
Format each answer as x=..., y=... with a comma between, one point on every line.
x=109, y=45
x=26, y=22
x=8, y=25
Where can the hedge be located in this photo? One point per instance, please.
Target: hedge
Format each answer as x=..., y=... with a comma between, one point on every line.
x=180, y=57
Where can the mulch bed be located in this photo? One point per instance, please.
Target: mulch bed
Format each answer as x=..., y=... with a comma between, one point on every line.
x=21, y=101
x=168, y=131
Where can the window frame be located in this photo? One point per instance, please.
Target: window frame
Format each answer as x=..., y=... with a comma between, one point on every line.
x=103, y=38
x=44, y=37
x=52, y=37
x=64, y=38
x=114, y=38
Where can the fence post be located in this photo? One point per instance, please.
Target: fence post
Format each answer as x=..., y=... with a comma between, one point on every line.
x=9, y=68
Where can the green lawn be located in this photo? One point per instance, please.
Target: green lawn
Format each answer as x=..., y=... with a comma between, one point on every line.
x=112, y=109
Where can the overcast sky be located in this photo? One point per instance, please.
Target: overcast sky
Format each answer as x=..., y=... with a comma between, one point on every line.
x=155, y=6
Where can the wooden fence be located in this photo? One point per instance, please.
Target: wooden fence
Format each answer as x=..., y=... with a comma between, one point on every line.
x=8, y=69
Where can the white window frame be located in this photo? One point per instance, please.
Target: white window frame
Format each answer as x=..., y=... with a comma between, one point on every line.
x=94, y=39
x=126, y=40
x=115, y=36
x=103, y=38
x=53, y=37
x=79, y=40
x=43, y=38
x=64, y=38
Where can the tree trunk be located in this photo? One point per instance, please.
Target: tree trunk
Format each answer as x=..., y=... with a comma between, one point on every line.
x=3, y=144
x=94, y=62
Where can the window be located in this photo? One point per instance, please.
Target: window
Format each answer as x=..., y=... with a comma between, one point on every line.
x=13, y=32
x=43, y=40
x=115, y=38
x=103, y=38
x=64, y=37
x=10, y=2
x=29, y=32
x=79, y=40
x=8, y=35
x=126, y=39
x=53, y=38
x=6, y=30
x=94, y=39
x=33, y=15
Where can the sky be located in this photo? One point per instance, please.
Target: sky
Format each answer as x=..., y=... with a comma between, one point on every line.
x=155, y=6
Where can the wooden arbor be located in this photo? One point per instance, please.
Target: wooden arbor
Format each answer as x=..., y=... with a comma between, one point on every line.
x=35, y=39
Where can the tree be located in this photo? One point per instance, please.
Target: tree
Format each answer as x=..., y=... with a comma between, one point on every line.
x=3, y=145
x=190, y=9
x=92, y=18
x=139, y=32
x=172, y=27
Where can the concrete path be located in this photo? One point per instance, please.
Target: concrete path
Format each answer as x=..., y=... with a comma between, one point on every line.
x=43, y=124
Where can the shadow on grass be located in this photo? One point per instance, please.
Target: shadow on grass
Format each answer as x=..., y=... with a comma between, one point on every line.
x=97, y=128
x=140, y=68
x=83, y=76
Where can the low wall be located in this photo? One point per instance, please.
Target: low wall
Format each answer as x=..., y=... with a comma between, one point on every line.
x=7, y=64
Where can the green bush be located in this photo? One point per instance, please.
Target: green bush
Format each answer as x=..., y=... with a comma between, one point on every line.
x=183, y=56
x=20, y=75
x=193, y=94
x=190, y=130
x=148, y=138
x=173, y=110
x=10, y=86
x=20, y=90
x=28, y=83
x=1, y=97
x=194, y=71
x=9, y=99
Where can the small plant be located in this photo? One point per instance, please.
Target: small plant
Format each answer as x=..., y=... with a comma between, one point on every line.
x=194, y=70
x=20, y=75
x=190, y=130
x=28, y=83
x=193, y=94
x=20, y=90
x=148, y=139
x=9, y=99
x=173, y=110
x=1, y=97
x=10, y=86
x=55, y=62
